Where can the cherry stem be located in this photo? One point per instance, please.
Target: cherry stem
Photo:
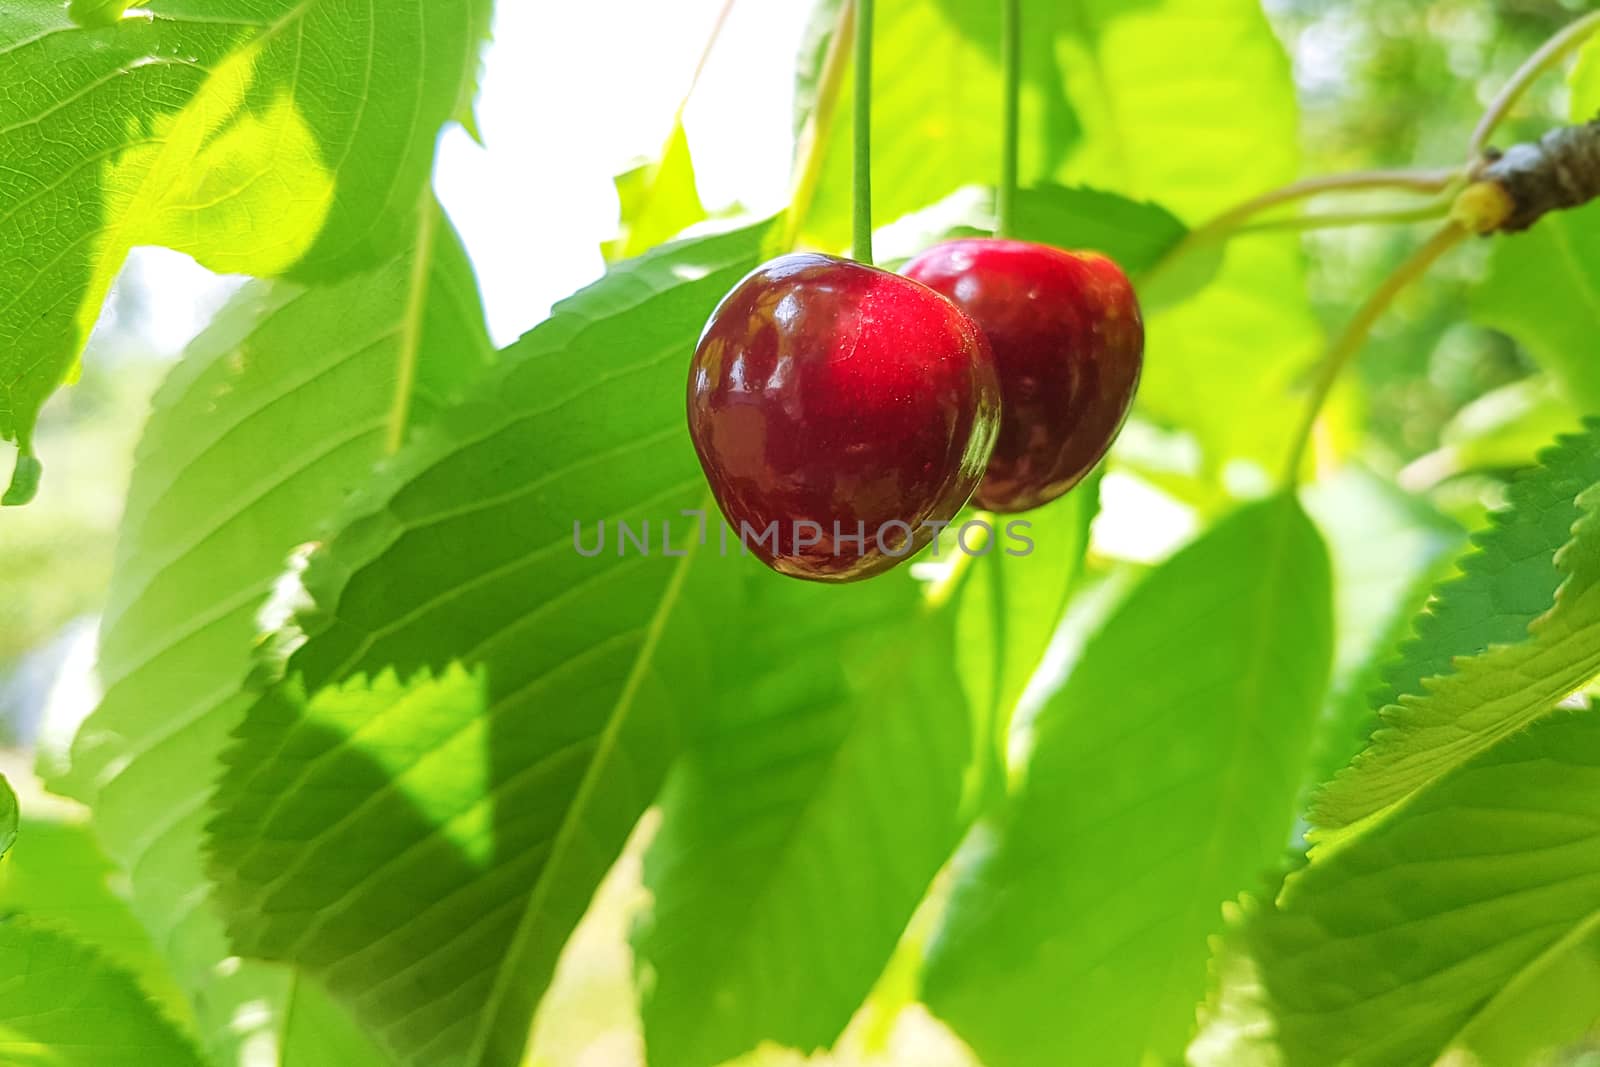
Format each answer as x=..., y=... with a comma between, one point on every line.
x=1445, y=181
x=1011, y=121
x=1224, y=226
x=1355, y=334
x=1417, y=181
x=1434, y=209
x=1546, y=58
x=705, y=53
x=863, y=133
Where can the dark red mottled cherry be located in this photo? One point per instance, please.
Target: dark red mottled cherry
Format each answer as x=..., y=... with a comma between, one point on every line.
x=825, y=391
x=1068, y=344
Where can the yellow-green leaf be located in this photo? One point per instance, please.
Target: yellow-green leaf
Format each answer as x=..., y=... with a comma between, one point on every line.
x=659, y=199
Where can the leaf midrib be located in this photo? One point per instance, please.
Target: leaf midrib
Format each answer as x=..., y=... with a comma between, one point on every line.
x=489, y=1019
x=1266, y=600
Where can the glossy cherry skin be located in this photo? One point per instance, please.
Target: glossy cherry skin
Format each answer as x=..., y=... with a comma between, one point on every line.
x=1068, y=344
x=825, y=391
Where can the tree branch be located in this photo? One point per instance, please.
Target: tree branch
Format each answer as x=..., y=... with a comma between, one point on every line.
x=1560, y=171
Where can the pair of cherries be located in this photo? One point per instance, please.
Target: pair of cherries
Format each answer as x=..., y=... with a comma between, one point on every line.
x=844, y=414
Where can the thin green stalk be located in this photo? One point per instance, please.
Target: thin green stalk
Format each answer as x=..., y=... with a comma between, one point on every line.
x=705, y=52
x=863, y=133
x=1349, y=342
x=1420, y=181
x=1549, y=54
x=705, y=59
x=1011, y=66
x=1435, y=209
x=1437, y=182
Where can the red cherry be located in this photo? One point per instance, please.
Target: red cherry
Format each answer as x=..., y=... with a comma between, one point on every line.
x=1068, y=344
x=828, y=392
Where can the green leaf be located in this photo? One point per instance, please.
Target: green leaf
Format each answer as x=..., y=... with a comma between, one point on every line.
x=809, y=815
x=1134, y=233
x=762, y=854
x=1498, y=647
x=1388, y=549
x=8, y=816
x=193, y=126
x=1137, y=234
x=58, y=876
x=24, y=482
x=1510, y=577
x=804, y=822
x=275, y=414
x=1546, y=1010
x=1235, y=1022
x=478, y=713
x=1162, y=782
x=63, y=1005
x=659, y=199
x=1435, y=926
x=1543, y=288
